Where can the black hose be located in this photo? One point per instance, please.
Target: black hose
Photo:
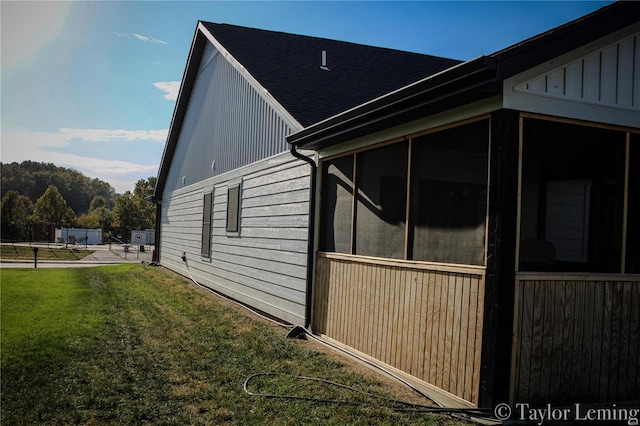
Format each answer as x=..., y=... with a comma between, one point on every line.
x=408, y=406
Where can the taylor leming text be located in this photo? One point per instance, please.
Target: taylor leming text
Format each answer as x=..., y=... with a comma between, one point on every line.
x=548, y=413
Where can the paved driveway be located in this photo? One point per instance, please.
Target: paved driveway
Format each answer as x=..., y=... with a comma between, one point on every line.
x=101, y=256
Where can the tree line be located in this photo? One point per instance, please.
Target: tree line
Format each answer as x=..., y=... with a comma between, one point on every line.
x=37, y=197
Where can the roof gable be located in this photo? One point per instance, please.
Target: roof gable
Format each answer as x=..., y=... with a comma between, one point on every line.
x=609, y=76
x=289, y=67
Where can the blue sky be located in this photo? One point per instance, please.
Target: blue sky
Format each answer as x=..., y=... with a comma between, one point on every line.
x=92, y=85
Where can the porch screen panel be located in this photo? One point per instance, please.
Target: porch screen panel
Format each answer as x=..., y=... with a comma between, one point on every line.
x=337, y=205
x=573, y=180
x=632, y=263
x=449, y=205
x=382, y=201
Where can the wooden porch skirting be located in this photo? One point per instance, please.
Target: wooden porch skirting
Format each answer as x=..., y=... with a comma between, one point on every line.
x=422, y=318
x=576, y=338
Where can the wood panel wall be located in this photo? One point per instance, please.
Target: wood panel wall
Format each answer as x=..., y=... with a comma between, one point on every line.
x=425, y=320
x=576, y=339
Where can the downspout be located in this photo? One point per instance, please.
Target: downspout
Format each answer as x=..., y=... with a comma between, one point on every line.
x=156, y=245
x=156, y=255
x=311, y=236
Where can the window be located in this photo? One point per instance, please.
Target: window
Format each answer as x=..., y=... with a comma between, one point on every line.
x=207, y=210
x=447, y=206
x=573, y=184
x=233, y=209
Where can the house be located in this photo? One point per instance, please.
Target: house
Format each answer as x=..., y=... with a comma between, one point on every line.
x=231, y=199
x=474, y=226
x=479, y=230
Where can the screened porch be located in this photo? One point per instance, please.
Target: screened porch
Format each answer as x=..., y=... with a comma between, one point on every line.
x=577, y=298
x=408, y=248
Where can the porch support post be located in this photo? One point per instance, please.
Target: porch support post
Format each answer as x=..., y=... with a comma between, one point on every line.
x=501, y=244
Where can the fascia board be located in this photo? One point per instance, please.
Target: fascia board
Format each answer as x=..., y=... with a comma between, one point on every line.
x=271, y=101
x=184, y=93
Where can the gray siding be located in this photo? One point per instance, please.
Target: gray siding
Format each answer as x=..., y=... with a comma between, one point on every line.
x=228, y=121
x=265, y=266
x=231, y=121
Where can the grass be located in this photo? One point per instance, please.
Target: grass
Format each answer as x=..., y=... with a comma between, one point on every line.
x=128, y=345
x=15, y=252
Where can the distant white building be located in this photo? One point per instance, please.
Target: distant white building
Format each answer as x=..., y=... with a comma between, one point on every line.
x=83, y=236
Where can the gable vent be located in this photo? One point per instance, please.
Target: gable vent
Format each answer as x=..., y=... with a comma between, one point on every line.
x=324, y=66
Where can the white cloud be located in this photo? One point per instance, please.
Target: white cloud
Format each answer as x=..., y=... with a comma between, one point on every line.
x=148, y=39
x=141, y=37
x=19, y=146
x=16, y=143
x=171, y=89
x=106, y=135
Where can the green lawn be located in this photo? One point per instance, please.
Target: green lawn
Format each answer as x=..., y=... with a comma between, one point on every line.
x=14, y=252
x=128, y=345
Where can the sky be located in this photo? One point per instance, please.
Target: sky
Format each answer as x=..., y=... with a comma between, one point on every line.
x=92, y=85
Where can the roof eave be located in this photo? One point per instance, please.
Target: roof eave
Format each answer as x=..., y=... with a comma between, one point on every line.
x=470, y=81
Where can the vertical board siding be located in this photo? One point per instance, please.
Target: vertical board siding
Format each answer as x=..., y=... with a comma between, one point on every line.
x=597, y=82
x=610, y=76
x=227, y=121
x=265, y=266
x=427, y=323
x=577, y=339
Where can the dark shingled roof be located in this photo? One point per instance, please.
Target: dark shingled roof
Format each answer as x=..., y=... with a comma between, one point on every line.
x=288, y=66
